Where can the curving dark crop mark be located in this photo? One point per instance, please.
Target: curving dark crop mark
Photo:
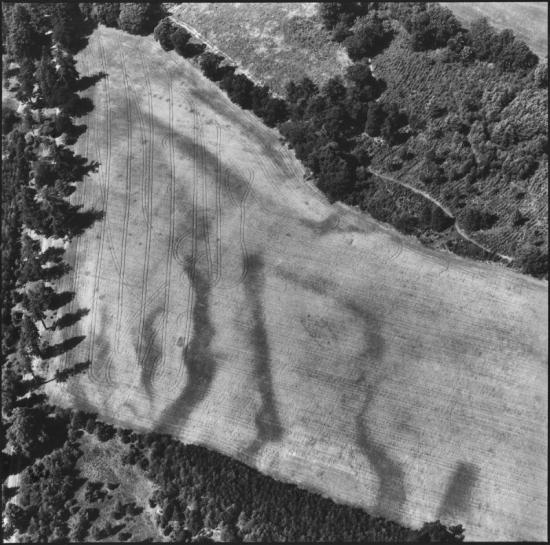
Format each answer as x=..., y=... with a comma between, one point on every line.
x=153, y=350
x=267, y=421
x=188, y=145
x=323, y=227
x=456, y=503
x=391, y=495
x=198, y=358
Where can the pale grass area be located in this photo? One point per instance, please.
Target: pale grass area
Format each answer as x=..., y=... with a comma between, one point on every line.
x=232, y=306
x=261, y=38
x=102, y=462
x=528, y=20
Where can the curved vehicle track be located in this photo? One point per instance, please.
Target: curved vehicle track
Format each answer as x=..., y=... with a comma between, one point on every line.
x=127, y=193
x=103, y=227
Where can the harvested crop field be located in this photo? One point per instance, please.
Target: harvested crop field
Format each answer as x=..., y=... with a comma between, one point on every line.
x=528, y=20
x=232, y=306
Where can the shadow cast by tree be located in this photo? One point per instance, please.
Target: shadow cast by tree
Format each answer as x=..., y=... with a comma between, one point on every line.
x=81, y=221
x=58, y=300
x=55, y=350
x=85, y=82
x=70, y=318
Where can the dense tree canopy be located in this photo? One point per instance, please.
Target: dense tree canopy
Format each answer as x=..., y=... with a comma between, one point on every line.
x=139, y=18
x=107, y=13
x=163, y=34
x=23, y=40
x=371, y=34
x=27, y=431
x=67, y=22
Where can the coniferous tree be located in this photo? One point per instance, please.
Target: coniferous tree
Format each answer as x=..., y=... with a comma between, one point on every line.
x=46, y=77
x=163, y=32
x=210, y=65
x=37, y=299
x=139, y=18
x=107, y=13
x=22, y=38
x=26, y=80
x=67, y=23
x=29, y=338
x=67, y=74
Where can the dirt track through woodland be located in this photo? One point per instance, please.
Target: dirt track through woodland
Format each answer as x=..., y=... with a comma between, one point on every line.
x=446, y=211
x=232, y=306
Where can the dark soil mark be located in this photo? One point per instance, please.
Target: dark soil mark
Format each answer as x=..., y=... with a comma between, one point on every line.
x=197, y=356
x=153, y=351
x=267, y=420
x=329, y=224
x=456, y=502
x=185, y=146
x=391, y=493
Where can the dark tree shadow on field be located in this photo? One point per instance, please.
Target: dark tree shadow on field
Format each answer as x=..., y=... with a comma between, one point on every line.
x=76, y=369
x=55, y=350
x=75, y=133
x=13, y=464
x=8, y=491
x=70, y=318
x=78, y=106
x=61, y=299
x=85, y=82
x=56, y=271
x=32, y=401
x=84, y=220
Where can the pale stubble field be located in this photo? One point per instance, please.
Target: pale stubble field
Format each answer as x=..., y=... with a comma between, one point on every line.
x=232, y=306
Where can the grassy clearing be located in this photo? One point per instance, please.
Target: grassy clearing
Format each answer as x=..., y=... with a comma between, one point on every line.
x=232, y=306
x=275, y=42
x=101, y=462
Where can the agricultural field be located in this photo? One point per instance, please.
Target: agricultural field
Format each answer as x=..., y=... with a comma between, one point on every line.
x=231, y=306
x=528, y=20
x=275, y=42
